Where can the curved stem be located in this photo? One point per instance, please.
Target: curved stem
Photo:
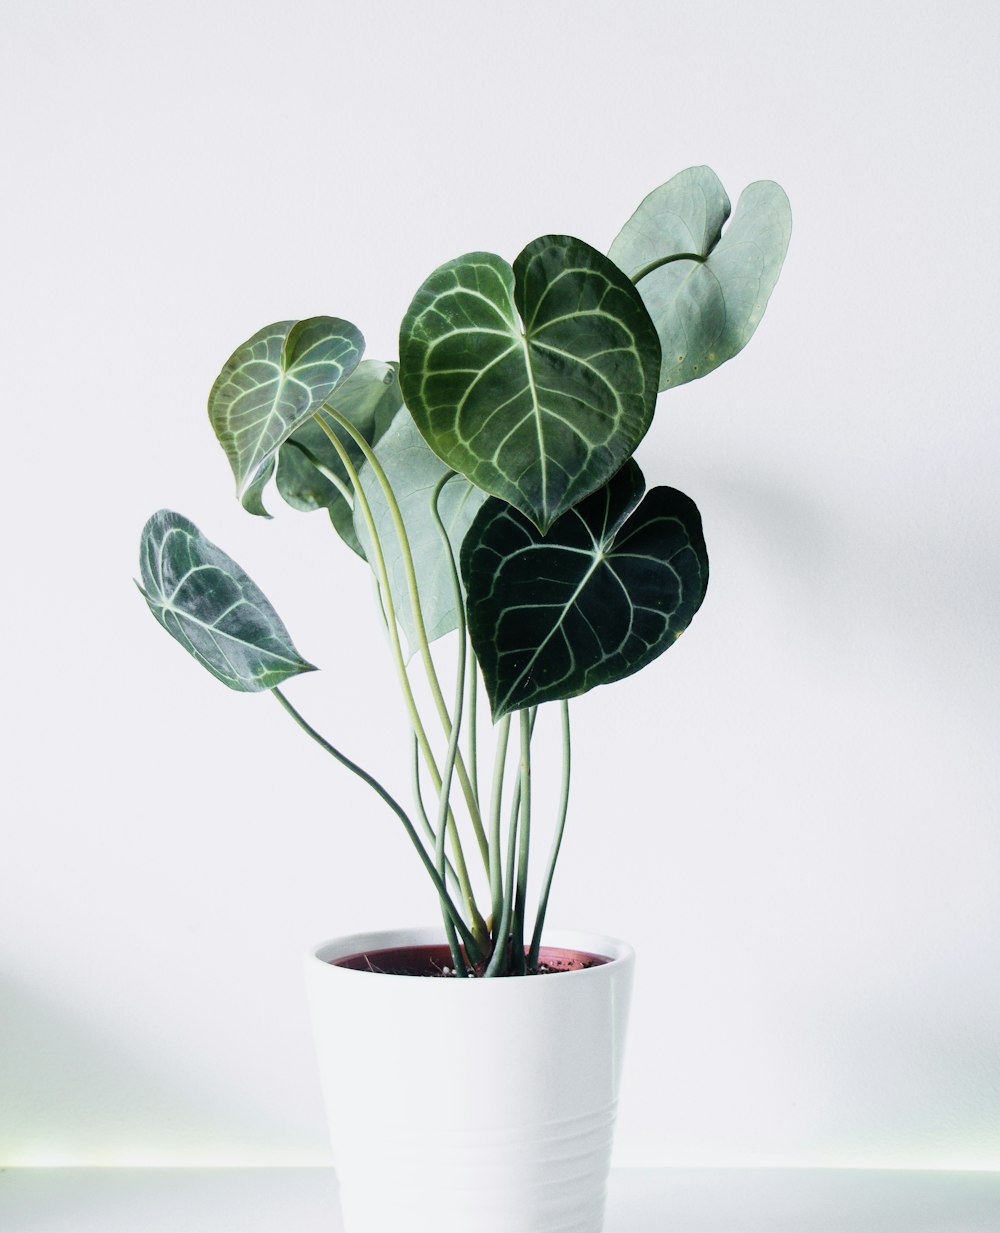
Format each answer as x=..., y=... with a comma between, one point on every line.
x=655, y=265
x=425, y=822
x=396, y=808
x=389, y=614
x=418, y=798
x=330, y=476
x=418, y=618
x=543, y=899
x=456, y=728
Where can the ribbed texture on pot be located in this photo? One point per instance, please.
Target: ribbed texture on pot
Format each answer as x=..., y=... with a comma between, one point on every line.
x=545, y=1179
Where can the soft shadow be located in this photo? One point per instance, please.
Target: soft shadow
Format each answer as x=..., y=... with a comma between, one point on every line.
x=74, y=1094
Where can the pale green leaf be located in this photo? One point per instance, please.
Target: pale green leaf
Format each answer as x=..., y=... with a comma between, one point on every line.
x=706, y=288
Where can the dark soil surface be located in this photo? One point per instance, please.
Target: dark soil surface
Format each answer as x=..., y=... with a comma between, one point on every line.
x=435, y=961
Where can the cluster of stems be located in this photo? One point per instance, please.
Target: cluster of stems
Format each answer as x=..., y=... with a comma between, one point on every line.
x=497, y=943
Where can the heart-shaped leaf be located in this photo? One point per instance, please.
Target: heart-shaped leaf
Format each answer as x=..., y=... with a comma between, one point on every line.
x=535, y=381
x=706, y=289
x=310, y=474
x=215, y=611
x=610, y=588
x=414, y=471
x=270, y=385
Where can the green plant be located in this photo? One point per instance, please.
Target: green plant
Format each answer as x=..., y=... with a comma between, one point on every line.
x=489, y=482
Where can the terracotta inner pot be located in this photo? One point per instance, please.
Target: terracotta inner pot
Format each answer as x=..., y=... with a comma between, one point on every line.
x=435, y=960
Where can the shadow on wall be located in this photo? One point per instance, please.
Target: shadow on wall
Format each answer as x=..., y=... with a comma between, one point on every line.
x=73, y=1095
x=879, y=593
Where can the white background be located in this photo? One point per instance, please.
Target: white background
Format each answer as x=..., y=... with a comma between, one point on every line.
x=793, y=815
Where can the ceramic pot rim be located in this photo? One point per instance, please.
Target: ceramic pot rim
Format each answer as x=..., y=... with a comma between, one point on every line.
x=614, y=951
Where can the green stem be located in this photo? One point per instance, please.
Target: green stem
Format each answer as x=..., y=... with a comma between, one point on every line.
x=329, y=475
x=456, y=727
x=543, y=900
x=473, y=710
x=502, y=954
x=418, y=619
x=496, y=804
x=523, y=846
x=655, y=265
x=397, y=809
x=425, y=822
x=389, y=615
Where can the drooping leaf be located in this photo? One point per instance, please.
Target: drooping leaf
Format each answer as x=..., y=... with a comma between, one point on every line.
x=215, y=611
x=310, y=474
x=270, y=385
x=413, y=471
x=706, y=289
x=535, y=381
x=611, y=587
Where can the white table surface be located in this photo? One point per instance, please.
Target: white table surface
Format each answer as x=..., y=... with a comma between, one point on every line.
x=640, y=1201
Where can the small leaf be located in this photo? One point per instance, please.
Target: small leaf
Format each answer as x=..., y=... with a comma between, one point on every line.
x=413, y=472
x=706, y=289
x=535, y=381
x=270, y=385
x=215, y=611
x=609, y=589
x=310, y=474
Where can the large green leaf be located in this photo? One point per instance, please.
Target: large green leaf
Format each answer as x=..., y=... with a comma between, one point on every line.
x=215, y=611
x=413, y=471
x=535, y=381
x=611, y=587
x=706, y=289
x=270, y=385
x=310, y=474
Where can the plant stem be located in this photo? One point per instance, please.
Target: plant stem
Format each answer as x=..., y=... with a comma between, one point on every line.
x=472, y=711
x=655, y=265
x=496, y=803
x=543, y=900
x=331, y=476
x=389, y=614
x=397, y=809
x=524, y=844
x=456, y=726
x=418, y=618
x=425, y=822
x=502, y=955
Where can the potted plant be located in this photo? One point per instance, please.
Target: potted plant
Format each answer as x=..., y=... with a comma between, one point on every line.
x=488, y=480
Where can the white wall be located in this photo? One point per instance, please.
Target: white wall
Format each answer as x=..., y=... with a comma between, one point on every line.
x=793, y=815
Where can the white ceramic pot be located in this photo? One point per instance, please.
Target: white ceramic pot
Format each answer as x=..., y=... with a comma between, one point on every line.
x=470, y=1106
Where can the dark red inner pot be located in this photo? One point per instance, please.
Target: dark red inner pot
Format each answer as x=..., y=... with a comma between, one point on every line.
x=433, y=960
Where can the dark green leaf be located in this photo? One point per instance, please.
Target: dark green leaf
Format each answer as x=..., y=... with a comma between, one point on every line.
x=610, y=588
x=413, y=472
x=203, y=599
x=706, y=289
x=270, y=385
x=535, y=382
x=310, y=474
